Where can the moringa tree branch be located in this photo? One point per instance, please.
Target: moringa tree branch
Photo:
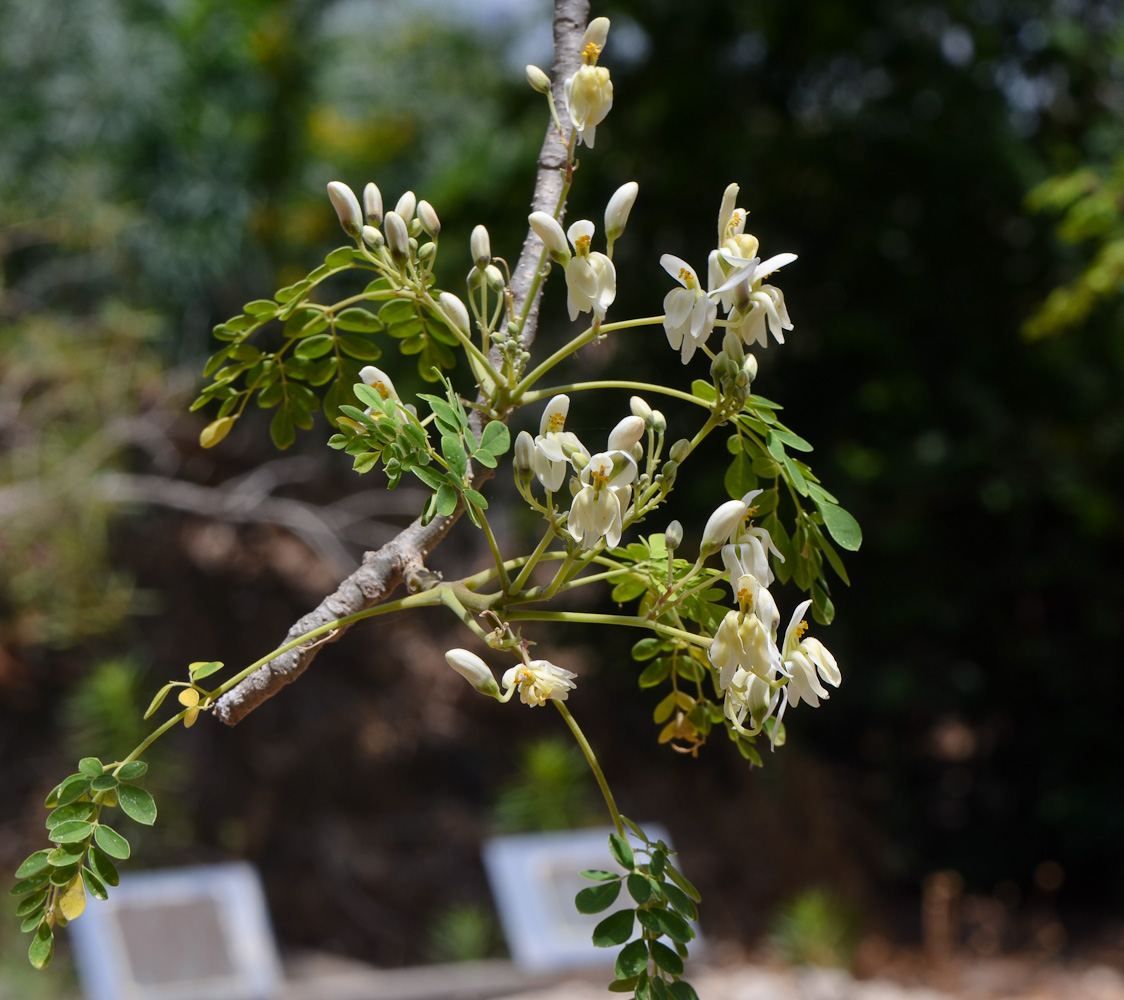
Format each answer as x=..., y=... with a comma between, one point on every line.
x=402, y=560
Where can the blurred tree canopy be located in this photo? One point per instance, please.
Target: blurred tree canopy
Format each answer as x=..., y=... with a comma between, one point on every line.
x=164, y=162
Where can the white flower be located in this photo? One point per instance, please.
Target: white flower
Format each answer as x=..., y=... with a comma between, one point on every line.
x=689, y=311
x=539, y=682
x=591, y=279
x=805, y=658
x=742, y=640
x=378, y=380
x=589, y=92
x=474, y=670
x=757, y=305
x=752, y=596
x=550, y=462
x=598, y=509
x=748, y=550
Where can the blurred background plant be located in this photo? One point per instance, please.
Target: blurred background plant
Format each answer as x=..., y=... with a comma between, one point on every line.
x=551, y=790
x=816, y=927
x=162, y=164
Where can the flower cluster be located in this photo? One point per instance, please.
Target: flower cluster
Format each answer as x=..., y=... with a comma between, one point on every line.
x=603, y=485
x=760, y=678
x=735, y=281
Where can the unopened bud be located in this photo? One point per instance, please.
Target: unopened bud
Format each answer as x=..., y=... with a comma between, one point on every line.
x=372, y=237
x=720, y=526
x=455, y=311
x=475, y=278
x=397, y=236
x=407, y=205
x=474, y=670
x=579, y=460
x=668, y=472
x=372, y=204
x=659, y=422
x=750, y=366
x=480, y=246
x=680, y=450
x=524, y=462
x=550, y=232
x=427, y=251
x=538, y=79
x=742, y=379
x=616, y=212
x=673, y=536
x=494, y=277
x=427, y=215
x=640, y=408
x=347, y=207
x=627, y=433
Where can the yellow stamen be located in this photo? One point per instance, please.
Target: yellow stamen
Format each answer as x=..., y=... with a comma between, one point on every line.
x=745, y=597
x=685, y=275
x=556, y=421
x=381, y=389
x=582, y=243
x=801, y=629
x=590, y=53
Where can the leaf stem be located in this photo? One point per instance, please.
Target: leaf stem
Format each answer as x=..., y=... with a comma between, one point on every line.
x=594, y=766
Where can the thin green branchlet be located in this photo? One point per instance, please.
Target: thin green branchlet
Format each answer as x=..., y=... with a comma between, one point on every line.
x=711, y=624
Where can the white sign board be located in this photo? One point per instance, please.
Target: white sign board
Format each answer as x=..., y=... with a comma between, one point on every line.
x=534, y=879
x=198, y=933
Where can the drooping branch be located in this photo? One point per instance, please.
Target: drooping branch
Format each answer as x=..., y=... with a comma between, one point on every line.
x=402, y=560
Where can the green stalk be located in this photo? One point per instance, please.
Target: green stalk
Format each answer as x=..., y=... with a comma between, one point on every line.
x=595, y=767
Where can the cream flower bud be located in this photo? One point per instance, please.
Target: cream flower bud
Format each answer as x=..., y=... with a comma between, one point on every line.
x=427, y=215
x=673, y=536
x=474, y=670
x=627, y=433
x=455, y=310
x=524, y=462
x=538, y=79
x=596, y=33
x=407, y=205
x=659, y=421
x=372, y=203
x=725, y=520
x=548, y=230
x=480, y=246
x=680, y=450
x=397, y=235
x=347, y=207
x=372, y=237
x=494, y=276
x=616, y=212
x=640, y=408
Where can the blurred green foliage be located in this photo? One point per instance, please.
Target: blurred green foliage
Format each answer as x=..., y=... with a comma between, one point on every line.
x=551, y=790
x=816, y=927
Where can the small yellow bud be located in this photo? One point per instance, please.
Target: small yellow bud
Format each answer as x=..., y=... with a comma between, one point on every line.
x=538, y=79
x=215, y=431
